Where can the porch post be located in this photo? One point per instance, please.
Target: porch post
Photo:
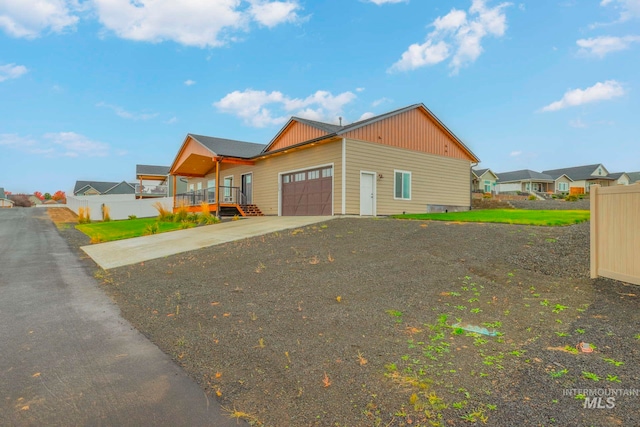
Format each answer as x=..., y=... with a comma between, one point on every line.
x=174, y=191
x=218, y=187
x=140, y=189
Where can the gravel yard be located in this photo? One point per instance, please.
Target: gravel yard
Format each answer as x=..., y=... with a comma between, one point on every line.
x=367, y=322
x=553, y=204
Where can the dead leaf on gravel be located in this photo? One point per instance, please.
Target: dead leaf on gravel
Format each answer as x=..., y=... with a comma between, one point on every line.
x=36, y=375
x=412, y=330
x=25, y=408
x=326, y=381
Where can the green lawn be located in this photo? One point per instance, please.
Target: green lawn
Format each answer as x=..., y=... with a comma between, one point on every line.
x=125, y=229
x=507, y=216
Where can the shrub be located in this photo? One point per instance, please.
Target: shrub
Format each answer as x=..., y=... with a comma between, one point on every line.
x=181, y=214
x=213, y=219
x=486, y=196
x=532, y=197
x=163, y=213
x=571, y=198
x=151, y=229
x=96, y=239
x=185, y=224
x=193, y=217
x=133, y=217
x=236, y=217
x=105, y=213
x=20, y=200
x=84, y=215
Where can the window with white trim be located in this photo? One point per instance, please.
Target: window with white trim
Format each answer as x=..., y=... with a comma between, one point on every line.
x=402, y=185
x=563, y=186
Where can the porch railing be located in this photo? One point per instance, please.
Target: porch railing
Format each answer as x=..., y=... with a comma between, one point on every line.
x=229, y=195
x=152, y=190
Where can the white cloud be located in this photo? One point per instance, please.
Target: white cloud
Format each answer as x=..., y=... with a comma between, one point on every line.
x=577, y=123
x=628, y=8
x=515, y=153
x=598, y=92
x=29, y=18
x=381, y=2
x=121, y=112
x=366, y=116
x=359, y=89
x=71, y=144
x=380, y=101
x=189, y=82
x=260, y=108
x=172, y=120
x=273, y=13
x=601, y=46
x=457, y=35
x=11, y=71
x=60, y=144
x=202, y=23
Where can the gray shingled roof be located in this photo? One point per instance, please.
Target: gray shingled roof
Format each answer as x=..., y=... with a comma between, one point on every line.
x=577, y=173
x=229, y=147
x=616, y=175
x=523, y=175
x=102, y=187
x=325, y=127
x=152, y=170
x=633, y=176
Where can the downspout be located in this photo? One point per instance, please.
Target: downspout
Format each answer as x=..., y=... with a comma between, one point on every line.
x=473, y=165
x=218, y=187
x=344, y=176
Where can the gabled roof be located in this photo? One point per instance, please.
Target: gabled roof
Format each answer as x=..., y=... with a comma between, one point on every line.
x=104, y=187
x=524, y=175
x=617, y=175
x=633, y=176
x=336, y=131
x=480, y=172
x=579, y=173
x=229, y=147
x=152, y=170
x=326, y=127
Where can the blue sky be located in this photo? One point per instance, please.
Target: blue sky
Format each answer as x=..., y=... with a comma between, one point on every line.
x=90, y=88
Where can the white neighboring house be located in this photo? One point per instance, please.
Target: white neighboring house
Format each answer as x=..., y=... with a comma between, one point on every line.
x=585, y=176
x=5, y=202
x=622, y=178
x=525, y=181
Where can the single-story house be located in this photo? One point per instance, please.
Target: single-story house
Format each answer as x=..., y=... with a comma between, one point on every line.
x=406, y=160
x=524, y=180
x=5, y=202
x=484, y=180
x=153, y=181
x=622, y=178
x=633, y=177
x=91, y=188
x=583, y=177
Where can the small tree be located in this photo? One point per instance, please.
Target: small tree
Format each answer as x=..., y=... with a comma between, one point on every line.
x=39, y=195
x=47, y=196
x=59, y=196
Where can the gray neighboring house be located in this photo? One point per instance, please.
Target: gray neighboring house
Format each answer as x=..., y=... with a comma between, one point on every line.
x=526, y=181
x=622, y=178
x=633, y=177
x=4, y=200
x=584, y=176
x=94, y=188
x=154, y=181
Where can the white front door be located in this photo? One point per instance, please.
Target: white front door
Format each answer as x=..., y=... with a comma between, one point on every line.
x=367, y=193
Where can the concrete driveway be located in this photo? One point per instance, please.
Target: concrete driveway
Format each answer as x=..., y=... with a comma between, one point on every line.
x=67, y=356
x=131, y=251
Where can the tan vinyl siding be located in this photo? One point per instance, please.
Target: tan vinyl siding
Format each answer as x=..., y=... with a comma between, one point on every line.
x=265, y=173
x=413, y=130
x=435, y=180
x=296, y=133
x=559, y=180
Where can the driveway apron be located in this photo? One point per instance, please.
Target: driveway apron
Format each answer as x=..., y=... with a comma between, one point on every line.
x=67, y=357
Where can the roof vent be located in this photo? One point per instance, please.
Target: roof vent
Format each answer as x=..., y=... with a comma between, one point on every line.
x=340, y=118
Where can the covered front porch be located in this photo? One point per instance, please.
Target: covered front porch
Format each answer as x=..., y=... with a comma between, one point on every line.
x=197, y=161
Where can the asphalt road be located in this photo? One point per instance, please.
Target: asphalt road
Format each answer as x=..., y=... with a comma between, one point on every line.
x=67, y=357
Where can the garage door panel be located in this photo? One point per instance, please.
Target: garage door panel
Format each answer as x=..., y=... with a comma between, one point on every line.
x=308, y=192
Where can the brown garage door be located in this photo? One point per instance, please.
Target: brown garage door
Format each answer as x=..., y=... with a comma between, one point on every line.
x=308, y=192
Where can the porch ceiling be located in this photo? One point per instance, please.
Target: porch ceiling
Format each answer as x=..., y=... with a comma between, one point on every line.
x=195, y=165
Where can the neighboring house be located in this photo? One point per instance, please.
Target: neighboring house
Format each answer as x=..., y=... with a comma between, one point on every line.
x=633, y=177
x=91, y=188
x=153, y=181
x=622, y=178
x=5, y=202
x=584, y=177
x=526, y=181
x=484, y=180
x=403, y=161
x=35, y=201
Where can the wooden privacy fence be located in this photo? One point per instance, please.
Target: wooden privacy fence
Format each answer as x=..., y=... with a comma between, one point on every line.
x=615, y=232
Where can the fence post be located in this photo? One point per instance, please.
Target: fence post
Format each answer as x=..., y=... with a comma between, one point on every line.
x=593, y=205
